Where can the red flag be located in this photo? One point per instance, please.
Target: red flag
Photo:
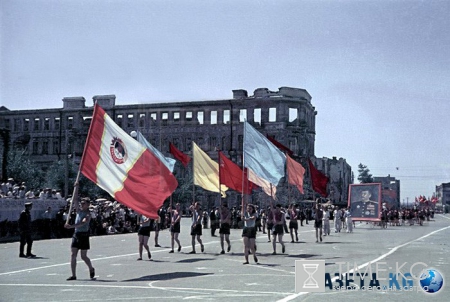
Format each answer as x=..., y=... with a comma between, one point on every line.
x=124, y=168
x=185, y=159
x=389, y=193
x=231, y=175
x=318, y=179
x=279, y=145
x=295, y=172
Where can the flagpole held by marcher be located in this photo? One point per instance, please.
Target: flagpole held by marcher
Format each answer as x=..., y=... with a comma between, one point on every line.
x=74, y=196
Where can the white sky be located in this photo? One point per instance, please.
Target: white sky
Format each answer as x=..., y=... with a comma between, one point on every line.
x=378, y=71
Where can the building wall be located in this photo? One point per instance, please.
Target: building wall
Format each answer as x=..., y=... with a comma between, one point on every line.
x=49, y=135
x=340, y=175
x=443, y=193
x=390, y=190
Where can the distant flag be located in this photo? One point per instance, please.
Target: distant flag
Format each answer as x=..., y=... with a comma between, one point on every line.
x=389, y=193
x=124, y=168
x=185, y=159
x=295, y=173
x=231, y=174
x=318, y=179
x=279, y=145
x=206, y=172
x=422, y=199
x=262, y=158
x=167, y=161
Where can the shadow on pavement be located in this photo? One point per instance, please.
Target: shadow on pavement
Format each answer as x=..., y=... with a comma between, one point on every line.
x=168, y=276
x=194, y=260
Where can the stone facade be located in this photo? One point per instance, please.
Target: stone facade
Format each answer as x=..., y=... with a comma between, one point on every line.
x=390, y=191
x=340, y=175
x=443, y=194
x=287, y=115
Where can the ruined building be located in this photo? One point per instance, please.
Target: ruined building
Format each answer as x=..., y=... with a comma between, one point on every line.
x=287, y=115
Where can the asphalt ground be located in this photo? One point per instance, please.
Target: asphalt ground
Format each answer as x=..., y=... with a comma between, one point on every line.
x=210, y=276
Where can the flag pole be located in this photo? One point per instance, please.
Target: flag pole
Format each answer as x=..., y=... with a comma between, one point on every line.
x=74, y=196
x=271, y=197
x=77, y=180
x=243, y=167
x=193, y=174
x=220, y=179
x=170, y=208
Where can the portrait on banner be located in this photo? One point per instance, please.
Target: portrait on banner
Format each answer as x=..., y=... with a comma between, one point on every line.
x=365, y=201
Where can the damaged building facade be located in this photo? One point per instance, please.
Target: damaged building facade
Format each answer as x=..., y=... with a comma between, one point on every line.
x=287, y=115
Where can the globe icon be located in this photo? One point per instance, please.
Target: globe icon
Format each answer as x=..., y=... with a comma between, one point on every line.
x=431, y=280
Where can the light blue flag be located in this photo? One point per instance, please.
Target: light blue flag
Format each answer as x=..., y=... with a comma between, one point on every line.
x=262, y=157
x=167, y=161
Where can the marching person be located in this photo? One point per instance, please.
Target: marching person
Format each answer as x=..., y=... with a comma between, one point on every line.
x=293, y=223
x=249, y=232
x=269, y=221
x=144, y=235
x=337, y=220
x=175, y=227
x=349, y=221
x=196, y=227
x=264, y=220
x=326, y=221
x=80, y=239
x=225, y=226
x=157, y=225
x=214, y=221
x=318, y=222
x=278, y=231
x=25, y=231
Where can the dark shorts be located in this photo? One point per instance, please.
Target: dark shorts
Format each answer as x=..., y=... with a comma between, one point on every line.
x=80, y=241
x=293, y=224
x=196, y=230
x=144, y=231
x=175, y=228
x=258, y=222
x=249, y=232
x=153, y=225
x=278, y=229
x=269, y=225
x=224, y=229
x=318, y=224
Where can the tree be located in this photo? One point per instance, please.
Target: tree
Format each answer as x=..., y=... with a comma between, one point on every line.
x=55, y=176
x=364, y=175
x=22, y=169
x=56, y=179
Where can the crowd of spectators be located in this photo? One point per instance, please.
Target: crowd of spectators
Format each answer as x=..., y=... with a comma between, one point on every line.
x=19, y=190
x=107, y=217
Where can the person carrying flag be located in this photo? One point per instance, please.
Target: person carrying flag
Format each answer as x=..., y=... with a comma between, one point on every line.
x=278, y=229
x=80, y=239
x=249, y=232
x=225, y=226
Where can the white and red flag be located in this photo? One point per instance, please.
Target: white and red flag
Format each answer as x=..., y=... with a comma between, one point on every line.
x=124, y=168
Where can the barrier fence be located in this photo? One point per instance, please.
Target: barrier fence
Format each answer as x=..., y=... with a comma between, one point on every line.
x=10, y=208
